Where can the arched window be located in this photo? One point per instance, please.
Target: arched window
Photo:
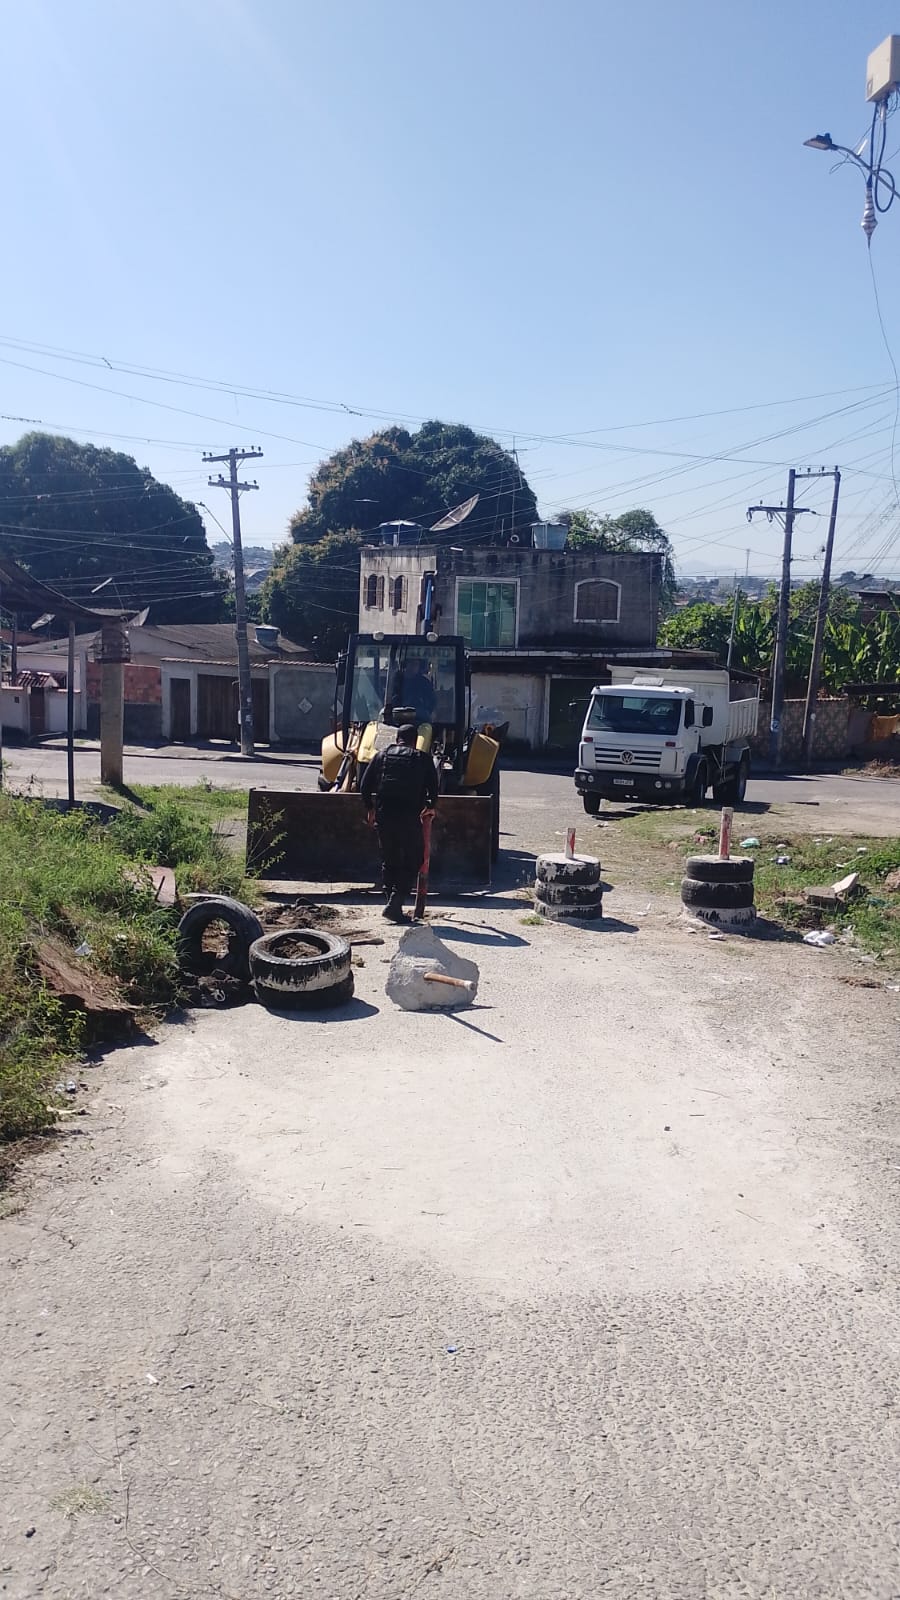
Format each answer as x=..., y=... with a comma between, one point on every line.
x=597, y=600
x=398, y=594
x=381, y=591
x=371, y=591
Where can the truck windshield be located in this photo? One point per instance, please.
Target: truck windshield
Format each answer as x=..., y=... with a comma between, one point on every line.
x=634, y=713
x=418, y=675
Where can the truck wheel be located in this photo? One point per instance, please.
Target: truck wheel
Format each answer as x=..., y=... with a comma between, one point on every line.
x=740, y=781
x=592, y=804
x=243, y=928
x=318, y=978
x=696, y=795
x=722, y=896
x=712, y=869
x=733, y=790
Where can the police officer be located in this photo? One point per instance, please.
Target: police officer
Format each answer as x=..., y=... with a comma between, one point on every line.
x=397, y=787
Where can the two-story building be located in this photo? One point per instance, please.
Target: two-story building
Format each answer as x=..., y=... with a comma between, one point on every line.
x=542, y=625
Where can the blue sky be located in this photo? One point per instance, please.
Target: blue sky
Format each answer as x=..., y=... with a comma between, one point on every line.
x=545, y=220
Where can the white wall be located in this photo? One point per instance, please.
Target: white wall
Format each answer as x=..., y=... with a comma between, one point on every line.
x=14, y=708
x=519, y=696
x=56, y=712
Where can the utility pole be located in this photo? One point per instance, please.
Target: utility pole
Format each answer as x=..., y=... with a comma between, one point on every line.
x=815, y=665
x=788, y=511
x=245, y=685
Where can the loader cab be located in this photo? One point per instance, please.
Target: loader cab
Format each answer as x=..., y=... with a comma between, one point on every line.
x=406, y=674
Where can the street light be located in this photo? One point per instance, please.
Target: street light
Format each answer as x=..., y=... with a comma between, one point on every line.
x=876, y=175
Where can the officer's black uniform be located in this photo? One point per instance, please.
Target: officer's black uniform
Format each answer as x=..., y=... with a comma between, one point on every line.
x=398, y=785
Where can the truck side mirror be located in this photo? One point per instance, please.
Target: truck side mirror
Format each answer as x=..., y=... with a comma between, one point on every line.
x=707, y=716
x=689, y=713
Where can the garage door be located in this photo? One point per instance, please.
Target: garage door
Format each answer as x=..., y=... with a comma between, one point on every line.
x=568, y=706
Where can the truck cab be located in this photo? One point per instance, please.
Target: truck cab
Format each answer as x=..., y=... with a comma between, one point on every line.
x=661, y=738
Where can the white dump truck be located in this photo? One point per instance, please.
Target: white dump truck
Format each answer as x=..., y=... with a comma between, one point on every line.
x=667, y=735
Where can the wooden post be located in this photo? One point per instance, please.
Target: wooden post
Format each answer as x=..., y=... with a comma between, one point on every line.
x=725, y=832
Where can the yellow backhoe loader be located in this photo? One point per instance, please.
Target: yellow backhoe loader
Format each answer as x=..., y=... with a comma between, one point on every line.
x=383, y=681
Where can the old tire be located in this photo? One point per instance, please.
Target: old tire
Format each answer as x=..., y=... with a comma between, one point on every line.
x=712, y=869
x=559, y=868
x=328, y=999
x=308, y=981
x=589, y=911
x=721, y=896
x=592, y=804
x=729, y=921
x=244, y=928
x=567, y=894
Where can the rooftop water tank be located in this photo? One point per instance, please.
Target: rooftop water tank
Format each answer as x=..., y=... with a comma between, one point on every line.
x=549, y=535
x=266, y=636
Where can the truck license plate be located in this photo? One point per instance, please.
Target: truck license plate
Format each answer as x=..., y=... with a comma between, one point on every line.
x=625, y=782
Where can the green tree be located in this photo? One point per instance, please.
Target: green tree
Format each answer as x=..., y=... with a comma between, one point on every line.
x=397, y=475
x=312, y=594
x=78, y=517
x=635, y=530
x=853, y=652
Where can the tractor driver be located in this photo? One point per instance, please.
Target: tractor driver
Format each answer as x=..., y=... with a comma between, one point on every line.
x=398, y=786
x=415, y=689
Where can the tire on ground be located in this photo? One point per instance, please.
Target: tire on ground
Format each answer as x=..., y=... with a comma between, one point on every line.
x=337, y=994
x=712, y=869
x=592, y=804
x=567, y=894
x=560, y=868
x=584, y=912
x=322, y=978
x=716, y=917
x=244, y=929
x=720, y=896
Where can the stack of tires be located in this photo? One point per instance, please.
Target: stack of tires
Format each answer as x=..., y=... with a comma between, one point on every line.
x=719, y=891
x=568, y=887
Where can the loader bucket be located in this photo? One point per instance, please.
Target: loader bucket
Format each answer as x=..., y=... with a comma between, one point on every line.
x=324, y=838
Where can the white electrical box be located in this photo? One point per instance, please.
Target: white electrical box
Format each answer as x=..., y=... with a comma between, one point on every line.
x=883, y=69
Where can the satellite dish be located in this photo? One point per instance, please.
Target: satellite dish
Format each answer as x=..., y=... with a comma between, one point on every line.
x=42, y=621
x=456, y=516
x=141, y=618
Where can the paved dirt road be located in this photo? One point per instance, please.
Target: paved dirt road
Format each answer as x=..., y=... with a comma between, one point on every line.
x=591, y=1290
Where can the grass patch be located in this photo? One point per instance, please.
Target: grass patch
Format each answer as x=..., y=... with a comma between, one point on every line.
x=67, y=875
x=200, y=800
x=646, y=849
x=174, y=835
x=872, y=914
x=81, y=1499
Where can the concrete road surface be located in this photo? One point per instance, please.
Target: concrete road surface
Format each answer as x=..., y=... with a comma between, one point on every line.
x=873, y=802
x=590, y=1290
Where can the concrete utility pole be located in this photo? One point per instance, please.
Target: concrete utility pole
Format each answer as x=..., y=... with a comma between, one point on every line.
x=114, y=652
x=788, y=511
x=815, y=665
x=245, y=684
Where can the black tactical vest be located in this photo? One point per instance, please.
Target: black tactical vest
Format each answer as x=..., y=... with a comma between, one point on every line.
x=401, y=778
